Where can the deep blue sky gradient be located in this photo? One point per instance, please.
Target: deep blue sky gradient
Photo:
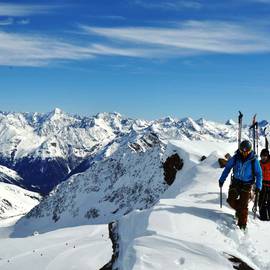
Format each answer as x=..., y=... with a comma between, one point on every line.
x=209, y=84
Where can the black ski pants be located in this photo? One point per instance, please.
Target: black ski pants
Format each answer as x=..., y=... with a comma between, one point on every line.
x=264, y=203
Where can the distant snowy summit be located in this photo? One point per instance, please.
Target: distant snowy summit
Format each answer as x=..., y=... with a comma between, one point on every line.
x=47, y=148
x=230, y=122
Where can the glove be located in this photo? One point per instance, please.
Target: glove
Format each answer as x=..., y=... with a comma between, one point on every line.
x=220, y=183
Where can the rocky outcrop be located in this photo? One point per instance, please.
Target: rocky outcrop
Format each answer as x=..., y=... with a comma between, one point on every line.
x=113, y=234
x=238, y=263
x=172, y=164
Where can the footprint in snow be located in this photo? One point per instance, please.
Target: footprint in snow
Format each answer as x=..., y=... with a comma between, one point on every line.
x=180, y=261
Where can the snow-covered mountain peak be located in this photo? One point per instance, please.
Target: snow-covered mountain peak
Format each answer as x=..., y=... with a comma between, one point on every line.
x=189, y=123
x=201, y=121
x=56, y=114
x=167, y=119
x=113, y=122
x=54, y=121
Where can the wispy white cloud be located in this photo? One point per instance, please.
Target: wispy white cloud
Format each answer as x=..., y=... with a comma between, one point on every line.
x=10, y=21
x=18, y=10
x=7, y=21
x=168, y=4
x=197, y=36
x=36, y=50
x=187, y=39
x=261, y=1
x=108, y=17
x=26, y=50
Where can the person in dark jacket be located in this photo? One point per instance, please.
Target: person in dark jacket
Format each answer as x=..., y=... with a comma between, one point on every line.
x=264, y=199
x=246, y=169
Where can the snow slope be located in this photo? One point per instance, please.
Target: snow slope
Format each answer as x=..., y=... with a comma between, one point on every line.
x=15, y=201
x=81, y=248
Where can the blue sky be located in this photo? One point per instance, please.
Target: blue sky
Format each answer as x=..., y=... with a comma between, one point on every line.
x=142, y=58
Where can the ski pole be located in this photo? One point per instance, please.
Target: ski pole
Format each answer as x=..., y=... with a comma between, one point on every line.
x=253, y=128
x=220, y=193
x=240, y=119
x=257, y=137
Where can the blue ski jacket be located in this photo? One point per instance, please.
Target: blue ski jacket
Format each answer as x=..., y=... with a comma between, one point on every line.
x=242, y=169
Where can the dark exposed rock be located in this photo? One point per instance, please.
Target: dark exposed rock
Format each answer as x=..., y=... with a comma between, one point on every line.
x=113, y=234
x=173, y=164
x=92, y=213
x=203, y=158
x=238, y=263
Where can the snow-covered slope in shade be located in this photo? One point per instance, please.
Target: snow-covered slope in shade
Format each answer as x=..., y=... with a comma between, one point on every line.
x=187, y=229
x=15, y=201
x=128, y=175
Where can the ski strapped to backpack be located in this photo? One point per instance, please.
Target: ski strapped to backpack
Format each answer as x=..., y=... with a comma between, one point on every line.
x=240, y=124
x=255, y=134
x=266, y=140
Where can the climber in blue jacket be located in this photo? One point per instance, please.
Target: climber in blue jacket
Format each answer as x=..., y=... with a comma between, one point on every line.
x=246, y=172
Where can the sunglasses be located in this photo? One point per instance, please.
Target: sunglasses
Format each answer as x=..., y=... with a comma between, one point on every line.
x=245, y=152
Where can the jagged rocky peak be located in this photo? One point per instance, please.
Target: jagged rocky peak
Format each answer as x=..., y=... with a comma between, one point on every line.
x=188, y=122
x=168, y=119
x=201, y=121
x=114, y=121
x=264, y=124
x=13, y=120
x=56, y=113
x=55, y=121
x=230, y=122
x=109, y=115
